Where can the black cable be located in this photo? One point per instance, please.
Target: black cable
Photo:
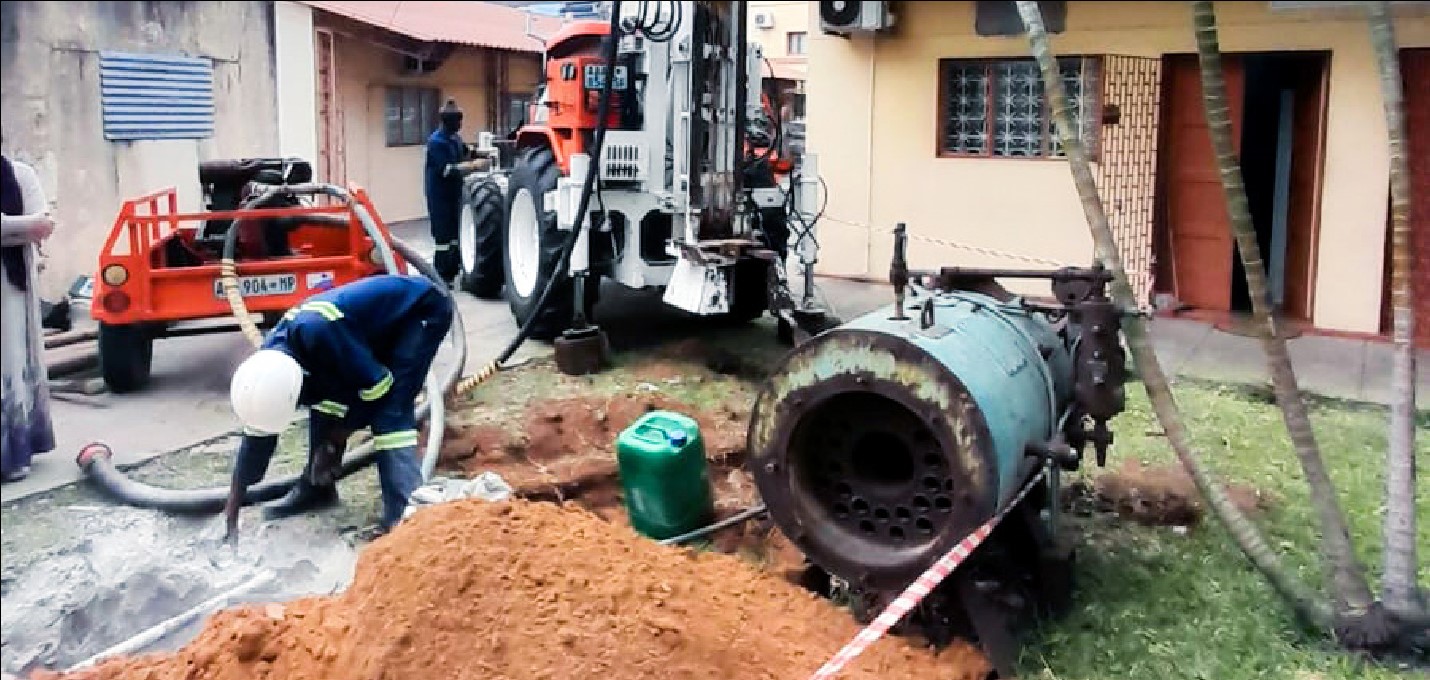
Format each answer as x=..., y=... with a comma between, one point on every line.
x=603, y=107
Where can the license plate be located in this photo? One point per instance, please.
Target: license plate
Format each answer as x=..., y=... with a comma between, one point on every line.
x=595, y=77
x=261, y=286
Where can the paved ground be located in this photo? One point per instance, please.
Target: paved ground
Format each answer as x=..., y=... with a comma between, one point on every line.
x=187, y=402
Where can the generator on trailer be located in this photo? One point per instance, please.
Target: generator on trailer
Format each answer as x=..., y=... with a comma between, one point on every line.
x=686, y=195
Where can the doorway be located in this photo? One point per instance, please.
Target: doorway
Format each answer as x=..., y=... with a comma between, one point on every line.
x=1415, y=80
x=1277, y=103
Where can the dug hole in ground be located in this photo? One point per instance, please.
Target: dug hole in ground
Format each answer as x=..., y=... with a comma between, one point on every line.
x=552, y=584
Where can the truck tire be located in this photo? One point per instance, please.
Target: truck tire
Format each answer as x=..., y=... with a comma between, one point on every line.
x=126, y=355
x=533, y=245
x=480, y=240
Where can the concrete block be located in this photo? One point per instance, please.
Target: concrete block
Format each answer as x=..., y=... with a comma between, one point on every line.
x=1329, y=366
x=1228, y=357
x=1176, y=340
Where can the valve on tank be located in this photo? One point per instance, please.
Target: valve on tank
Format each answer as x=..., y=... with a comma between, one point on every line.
x=1099, y=362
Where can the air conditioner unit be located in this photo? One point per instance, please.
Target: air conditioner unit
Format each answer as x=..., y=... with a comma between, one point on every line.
x=843, y=16
x=764, y=20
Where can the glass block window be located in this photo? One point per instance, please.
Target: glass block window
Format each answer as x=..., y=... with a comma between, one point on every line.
x=997, y=107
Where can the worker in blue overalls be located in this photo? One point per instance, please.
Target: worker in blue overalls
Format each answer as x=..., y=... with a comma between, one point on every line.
x=442, y=182
x=357, y=356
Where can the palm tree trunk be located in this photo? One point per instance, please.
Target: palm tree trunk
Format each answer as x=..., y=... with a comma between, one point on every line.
x=1306, y=603
x=1399, y=592
x=1345, y=574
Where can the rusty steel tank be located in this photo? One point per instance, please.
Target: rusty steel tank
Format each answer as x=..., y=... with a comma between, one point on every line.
x=880, y=444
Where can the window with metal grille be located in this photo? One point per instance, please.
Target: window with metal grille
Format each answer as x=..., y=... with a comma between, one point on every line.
x=997, y=107
x=411, y=114
x=155, y=96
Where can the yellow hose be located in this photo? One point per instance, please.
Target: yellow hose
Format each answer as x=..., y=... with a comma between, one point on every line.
x=228, y=274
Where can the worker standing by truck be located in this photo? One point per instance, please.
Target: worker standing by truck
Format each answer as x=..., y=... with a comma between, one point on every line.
x=442, y=181
x=356, y=355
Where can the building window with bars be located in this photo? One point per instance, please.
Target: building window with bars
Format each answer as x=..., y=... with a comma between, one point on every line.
x=411, y=114
x=996, y=108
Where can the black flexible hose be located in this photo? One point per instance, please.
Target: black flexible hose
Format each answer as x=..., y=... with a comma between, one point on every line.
x=95, y=459
x=603, y=108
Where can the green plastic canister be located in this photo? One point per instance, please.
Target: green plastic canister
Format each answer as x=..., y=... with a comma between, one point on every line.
x=661, y=457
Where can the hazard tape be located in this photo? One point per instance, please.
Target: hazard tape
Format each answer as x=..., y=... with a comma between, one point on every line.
x=919, y=589
x=981, y=250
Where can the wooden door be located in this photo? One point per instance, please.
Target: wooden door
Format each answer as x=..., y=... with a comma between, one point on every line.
x=1415, y=70
x=1195, y=208
x=1308, y=138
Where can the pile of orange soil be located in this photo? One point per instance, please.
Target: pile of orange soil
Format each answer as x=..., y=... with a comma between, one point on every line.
x=530, y=590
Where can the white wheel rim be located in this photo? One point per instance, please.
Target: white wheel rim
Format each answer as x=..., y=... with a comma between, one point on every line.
x=467, y=240
x=524, y=243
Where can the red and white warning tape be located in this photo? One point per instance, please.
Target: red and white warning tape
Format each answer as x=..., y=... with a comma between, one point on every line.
x=919, y=589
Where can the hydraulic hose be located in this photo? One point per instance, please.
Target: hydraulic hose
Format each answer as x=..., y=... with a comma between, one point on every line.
x=96, y=459
x=228, y=268
x=603, y=107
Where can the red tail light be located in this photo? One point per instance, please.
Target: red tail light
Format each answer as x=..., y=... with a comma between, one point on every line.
x=115, y=301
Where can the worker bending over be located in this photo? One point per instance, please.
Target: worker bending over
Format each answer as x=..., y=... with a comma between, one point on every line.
x=357, y=356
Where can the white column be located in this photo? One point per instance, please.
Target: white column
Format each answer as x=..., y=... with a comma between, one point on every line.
x=296, y=71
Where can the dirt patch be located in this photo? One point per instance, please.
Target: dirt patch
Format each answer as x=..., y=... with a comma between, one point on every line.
x=566, y=440
x=694, y=358
x=566, y=453
x=527, y=591
x=1162, y=495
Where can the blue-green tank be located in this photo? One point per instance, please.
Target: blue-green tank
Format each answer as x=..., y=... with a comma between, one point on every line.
x=664, y=476
x=891, y=439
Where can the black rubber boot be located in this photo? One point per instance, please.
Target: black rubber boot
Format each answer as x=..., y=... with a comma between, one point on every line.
x=303, y=497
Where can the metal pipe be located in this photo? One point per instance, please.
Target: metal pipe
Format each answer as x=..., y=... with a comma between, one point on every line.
x=743, y=515
x=72, y=363
x=168, y=626
x=70, y=338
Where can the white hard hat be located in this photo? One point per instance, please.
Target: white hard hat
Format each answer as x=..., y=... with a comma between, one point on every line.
x=265, y=389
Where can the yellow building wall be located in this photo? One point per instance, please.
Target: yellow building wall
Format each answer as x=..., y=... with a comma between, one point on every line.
x=872, y=119
x=392, y=175
x=790, y=16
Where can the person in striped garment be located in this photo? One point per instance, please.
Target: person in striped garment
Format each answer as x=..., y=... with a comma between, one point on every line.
x=357, y=356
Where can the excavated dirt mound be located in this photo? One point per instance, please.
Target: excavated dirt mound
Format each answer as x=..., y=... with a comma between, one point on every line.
x=537, y=591
x=1162, y=495
x=566, y=453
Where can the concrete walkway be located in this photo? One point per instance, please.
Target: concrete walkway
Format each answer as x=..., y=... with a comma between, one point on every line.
x=1344, y=368
x=188, y=400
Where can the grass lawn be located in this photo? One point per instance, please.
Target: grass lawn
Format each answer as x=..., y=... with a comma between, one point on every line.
x=1154, y=604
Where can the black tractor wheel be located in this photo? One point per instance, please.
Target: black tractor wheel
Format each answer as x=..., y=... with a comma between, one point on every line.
x=533, y=245
x=126, y=355
x=480, y=240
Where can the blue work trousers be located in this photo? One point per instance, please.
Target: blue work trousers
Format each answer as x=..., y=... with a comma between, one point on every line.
x=393, y=418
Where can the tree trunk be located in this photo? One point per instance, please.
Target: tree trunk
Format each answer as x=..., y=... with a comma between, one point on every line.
x=1399, y=592
x=1305, y=602
x=1344, y=573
